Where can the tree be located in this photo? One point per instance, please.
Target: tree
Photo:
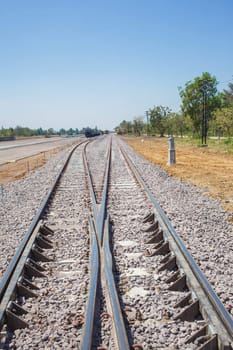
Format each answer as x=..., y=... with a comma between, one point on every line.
x=62, y=131
x=197, y=92
x=175, y=124
x=23, y=131
x=228, y=95
x=50, y=131
x=158, y=116
x=124, y=127
x=70, y=131
x=138, y=125
x=224, y=121
x=39, y=131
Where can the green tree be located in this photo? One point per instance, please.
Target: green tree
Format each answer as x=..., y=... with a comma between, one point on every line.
x=10, y=132
x=224, y=121
x=70, y=131
x=228, y=95
x=62, y=131
x=6, y=132
x=50, y=131
x=176, y=124
x=125, y=127
x=138, y=125
x=197, y=92
x=39, y=131
x=23, y=131
x=158, y=119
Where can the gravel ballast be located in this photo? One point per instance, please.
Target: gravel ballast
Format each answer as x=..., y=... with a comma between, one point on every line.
x=200, y=221
x=19, y=203
x=149, y=309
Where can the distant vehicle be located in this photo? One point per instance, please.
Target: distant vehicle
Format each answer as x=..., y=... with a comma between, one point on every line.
x=92, y=133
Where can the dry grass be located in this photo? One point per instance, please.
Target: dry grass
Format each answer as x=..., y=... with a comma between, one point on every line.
x=210, y=167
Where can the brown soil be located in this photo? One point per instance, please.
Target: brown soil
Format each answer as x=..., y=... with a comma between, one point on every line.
x=206, y=167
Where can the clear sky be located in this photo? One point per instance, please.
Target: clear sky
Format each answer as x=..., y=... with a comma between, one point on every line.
x=77, y=63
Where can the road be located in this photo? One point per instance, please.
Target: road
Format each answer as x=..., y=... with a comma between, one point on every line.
x=11, y=151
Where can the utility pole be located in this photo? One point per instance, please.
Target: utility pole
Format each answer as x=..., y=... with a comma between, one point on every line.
x=204, y=86
x=147, y=125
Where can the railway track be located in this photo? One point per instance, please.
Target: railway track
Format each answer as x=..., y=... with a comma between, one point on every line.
x=115, y=274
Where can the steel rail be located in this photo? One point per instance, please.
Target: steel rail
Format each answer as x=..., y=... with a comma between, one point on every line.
x=120, y=331
x=91, y=189
x=11, y=267
x=102, y=235
x=102, y=211
x=99, y=210
x=211, y=306
x=9, y=290
x=86, y=342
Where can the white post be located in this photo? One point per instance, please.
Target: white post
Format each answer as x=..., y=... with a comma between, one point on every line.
x=171, y=151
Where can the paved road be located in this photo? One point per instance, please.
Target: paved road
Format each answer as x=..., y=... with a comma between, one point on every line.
x=14, y=150
x=26, y=142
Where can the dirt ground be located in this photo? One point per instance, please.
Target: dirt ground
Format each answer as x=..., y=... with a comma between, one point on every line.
x=14, y=170
x=206, y=167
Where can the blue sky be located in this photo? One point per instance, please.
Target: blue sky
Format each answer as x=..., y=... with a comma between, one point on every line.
x=73, y=63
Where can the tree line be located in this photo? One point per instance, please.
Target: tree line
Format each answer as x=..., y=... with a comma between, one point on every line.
x=200, y=100
x=20, y=131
